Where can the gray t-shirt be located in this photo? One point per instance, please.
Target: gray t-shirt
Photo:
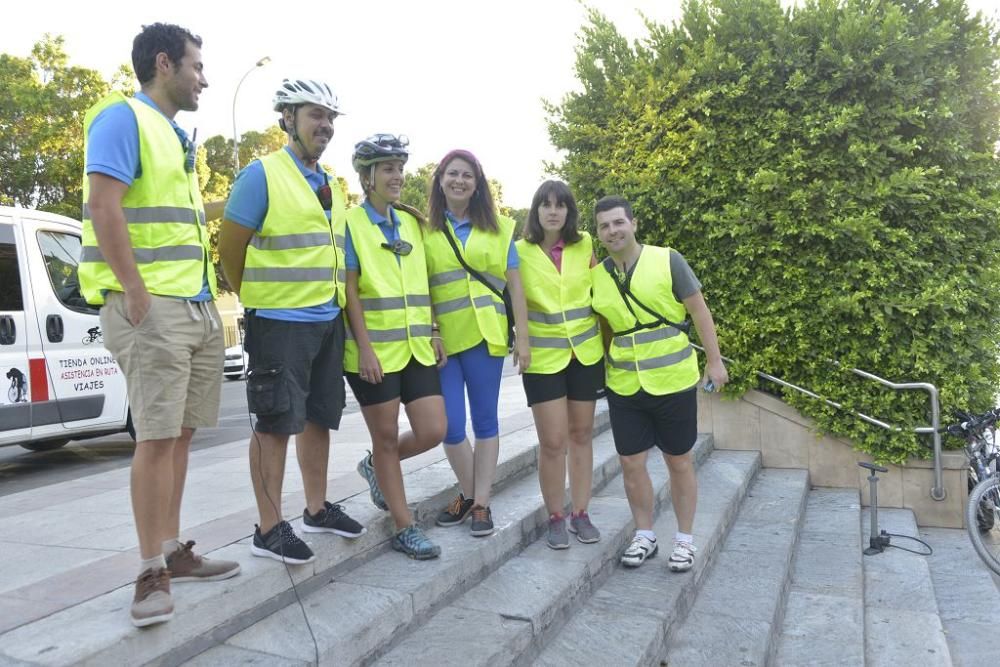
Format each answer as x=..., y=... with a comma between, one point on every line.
x=684, y=282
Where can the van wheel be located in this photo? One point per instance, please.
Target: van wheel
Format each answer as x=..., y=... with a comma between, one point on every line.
x=129, y=426
x=45, y=445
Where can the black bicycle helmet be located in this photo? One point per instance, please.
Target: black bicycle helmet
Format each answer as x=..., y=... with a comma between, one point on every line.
x=379, y=148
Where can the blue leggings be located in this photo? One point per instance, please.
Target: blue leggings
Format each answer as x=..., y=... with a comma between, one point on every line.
x=476, y=370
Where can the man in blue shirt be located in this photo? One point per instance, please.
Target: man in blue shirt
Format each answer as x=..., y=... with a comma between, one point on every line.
x=277, y=238
x=162, y=330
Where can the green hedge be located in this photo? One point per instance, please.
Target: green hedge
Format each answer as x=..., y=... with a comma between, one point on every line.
x=830, y=173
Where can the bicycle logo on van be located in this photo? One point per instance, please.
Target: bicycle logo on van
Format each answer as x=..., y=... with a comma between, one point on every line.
x=18, y=390
x=94, y=335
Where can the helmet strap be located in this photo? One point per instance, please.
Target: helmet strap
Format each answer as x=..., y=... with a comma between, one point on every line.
x=294, y=131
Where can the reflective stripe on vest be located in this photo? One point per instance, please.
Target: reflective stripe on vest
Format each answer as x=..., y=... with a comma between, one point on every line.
x=163, y=212
x=466, y=310
x=659, y=360
x=394, y=296
x=647, y=336
x=157, y=214
x=560, y=318
x=292, y=261
x=395, y=335
x=561, y=321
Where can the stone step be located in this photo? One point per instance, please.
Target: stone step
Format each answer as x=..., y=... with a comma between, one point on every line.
x=738, y=612
x=902, y=622
x=824, y=620
x=518, y=608
x=624, y=622
x=357, y=614
x=967, y=603
x=97, y=631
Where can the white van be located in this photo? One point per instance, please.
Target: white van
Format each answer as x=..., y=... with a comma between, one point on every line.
x=59, y=382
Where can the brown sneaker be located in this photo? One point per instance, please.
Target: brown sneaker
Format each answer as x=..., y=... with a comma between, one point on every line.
x=185, y=565
x=152, y=602
x=456, y=512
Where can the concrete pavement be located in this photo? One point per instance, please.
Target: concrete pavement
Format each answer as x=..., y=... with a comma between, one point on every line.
x=69, y=542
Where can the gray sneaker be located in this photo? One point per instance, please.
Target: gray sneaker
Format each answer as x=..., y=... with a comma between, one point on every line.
x=557, y=537
x=366, y=468
x=152, y=602
x=584, y=530
x=482, y=521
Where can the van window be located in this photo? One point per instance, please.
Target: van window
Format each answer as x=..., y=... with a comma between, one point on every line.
x=62, y=255
x=10, y=276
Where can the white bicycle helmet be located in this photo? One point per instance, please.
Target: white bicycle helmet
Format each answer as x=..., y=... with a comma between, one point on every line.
x=379, y=148
x=305, y=91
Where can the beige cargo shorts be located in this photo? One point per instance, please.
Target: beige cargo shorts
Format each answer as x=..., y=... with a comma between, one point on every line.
x=172, y=361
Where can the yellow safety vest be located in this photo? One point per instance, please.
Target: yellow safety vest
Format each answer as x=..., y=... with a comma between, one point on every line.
x=659, y=360
x=467, y=311
x=394, y=295
x=164, y=213
x=561, y=322
x=295, y=260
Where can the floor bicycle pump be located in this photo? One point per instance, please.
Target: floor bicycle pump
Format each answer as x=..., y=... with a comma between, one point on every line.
x=877, y=542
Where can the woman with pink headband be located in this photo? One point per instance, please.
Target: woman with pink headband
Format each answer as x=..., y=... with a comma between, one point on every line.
x=472, y=269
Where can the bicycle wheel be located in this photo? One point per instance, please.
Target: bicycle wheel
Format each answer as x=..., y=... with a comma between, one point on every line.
x=13, y=394
x=987, y=544
x=985, y=517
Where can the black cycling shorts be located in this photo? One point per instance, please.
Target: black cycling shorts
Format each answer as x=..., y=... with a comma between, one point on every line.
x=642, y=420
x=575, y=382
x=413, y=382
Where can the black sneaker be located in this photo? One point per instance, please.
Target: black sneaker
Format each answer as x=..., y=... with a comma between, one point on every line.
x=281, y=543
x=456, y=512
x=331, y=519
x=482, y=521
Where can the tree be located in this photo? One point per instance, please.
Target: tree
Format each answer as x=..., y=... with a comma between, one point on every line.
x=830, y=172
x=41, y=127
x=520, y=217
x=352, y=198
x=416, y=185
x=255, y=144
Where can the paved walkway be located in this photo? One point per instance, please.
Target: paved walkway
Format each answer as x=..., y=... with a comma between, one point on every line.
x=69, y=542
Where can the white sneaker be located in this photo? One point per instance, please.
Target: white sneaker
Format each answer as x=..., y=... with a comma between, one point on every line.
x=682, y=558
x=638, y=551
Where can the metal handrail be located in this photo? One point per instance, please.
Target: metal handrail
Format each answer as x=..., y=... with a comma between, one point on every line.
x=938, y=491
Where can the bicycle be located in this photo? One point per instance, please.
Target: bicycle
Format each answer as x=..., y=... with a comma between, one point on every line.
x=983, y=452
x=94, y=335
x=16, y=392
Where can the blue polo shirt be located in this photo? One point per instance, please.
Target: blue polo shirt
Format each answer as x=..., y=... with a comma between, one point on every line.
x=247, y=206
x=390, y=230
x=113, y=150
x=463, y=229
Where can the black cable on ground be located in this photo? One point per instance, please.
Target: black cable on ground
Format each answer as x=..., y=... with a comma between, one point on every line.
x=910, y=537
x=277, y=511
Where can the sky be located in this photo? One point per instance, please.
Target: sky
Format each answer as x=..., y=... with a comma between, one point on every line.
x=447, y=74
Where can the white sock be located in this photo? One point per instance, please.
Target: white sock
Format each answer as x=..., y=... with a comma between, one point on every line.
x=171, y=545
x=648, y=534
x=683, y=537
x=156, y=563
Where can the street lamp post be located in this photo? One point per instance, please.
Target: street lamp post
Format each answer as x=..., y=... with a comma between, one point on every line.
x=236, y=139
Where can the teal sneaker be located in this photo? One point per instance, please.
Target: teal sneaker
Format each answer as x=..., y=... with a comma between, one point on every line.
x=412, y=542
x=366, y=468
